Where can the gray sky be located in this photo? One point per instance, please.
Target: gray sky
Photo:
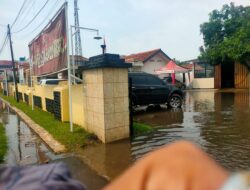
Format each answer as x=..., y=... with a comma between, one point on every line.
x=129, y=26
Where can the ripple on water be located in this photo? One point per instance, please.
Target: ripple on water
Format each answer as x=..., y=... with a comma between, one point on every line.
x=218, y=121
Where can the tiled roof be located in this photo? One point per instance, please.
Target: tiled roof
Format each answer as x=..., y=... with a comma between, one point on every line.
x=143, y=56
x=5, y=62
x=188, y=66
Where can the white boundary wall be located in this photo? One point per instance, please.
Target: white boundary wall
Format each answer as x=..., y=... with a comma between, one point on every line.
x=203, y=83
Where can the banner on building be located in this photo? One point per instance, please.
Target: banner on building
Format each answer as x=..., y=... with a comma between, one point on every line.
x=48, y=51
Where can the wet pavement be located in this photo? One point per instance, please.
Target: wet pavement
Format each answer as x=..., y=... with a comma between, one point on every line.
x=26, y=148
x=217, y=121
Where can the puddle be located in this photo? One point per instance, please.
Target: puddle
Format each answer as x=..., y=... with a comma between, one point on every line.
x=26, y=148
x=217, y=121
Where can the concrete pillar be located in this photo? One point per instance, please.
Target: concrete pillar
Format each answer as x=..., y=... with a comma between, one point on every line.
x=106, y=100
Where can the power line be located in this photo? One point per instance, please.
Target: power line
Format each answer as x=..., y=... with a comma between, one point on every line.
x=19, y=13
x=26, y=12
x=4, y=43
x=32, y=18
x=45, y=19
x=6, y=36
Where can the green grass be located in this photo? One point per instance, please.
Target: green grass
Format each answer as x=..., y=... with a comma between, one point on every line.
x=140, y=128
x=3, y=143
x=59, y=130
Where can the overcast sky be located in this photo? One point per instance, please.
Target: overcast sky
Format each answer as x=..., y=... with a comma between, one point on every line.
x=129, y=26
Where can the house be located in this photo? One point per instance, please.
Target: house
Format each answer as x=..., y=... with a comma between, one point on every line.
x=201, y=74
x=6, y=65
x=23, y=68
x=226, y=75
x=232, y=75
x=148, y=61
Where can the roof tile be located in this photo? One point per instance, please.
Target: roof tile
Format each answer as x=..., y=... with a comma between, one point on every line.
x=141, y=56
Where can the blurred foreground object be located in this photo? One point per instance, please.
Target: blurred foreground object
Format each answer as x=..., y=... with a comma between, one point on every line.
x=44, y=177
x=178, y=166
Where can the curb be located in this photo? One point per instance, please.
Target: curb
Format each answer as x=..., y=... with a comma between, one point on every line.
x=53, y=144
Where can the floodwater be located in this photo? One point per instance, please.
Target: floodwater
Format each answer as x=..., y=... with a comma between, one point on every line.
x=218, y=121
x=26, y=148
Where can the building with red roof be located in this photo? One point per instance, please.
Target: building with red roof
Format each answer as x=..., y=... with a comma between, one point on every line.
x=6, y=64
x=148, y=61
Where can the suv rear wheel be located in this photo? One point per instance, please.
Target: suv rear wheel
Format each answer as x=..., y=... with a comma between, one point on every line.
x=175, y=101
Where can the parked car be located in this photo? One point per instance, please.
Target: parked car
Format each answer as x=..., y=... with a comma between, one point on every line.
x=50, y=81
x=149, y=89
x=178, y=84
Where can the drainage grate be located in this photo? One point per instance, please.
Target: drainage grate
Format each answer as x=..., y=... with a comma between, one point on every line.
x=49, y=105
x=37, y=101
x=57, y=105
x=26, y=98
x=20, y=96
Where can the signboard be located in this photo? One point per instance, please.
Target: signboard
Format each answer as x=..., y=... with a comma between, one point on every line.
x=22, y=59
x=48, y=51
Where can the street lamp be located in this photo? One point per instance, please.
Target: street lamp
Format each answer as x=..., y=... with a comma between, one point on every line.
x=97, y=37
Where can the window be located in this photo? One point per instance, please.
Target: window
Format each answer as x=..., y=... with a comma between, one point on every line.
x=138, y=80
x=153, y=81
x=52, y=82
x=203, y=70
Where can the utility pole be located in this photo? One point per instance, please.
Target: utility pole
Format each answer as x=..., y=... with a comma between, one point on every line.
x=13, y=63
x=78, y=43
x=6, y=82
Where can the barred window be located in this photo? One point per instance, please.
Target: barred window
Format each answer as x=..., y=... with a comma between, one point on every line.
x=203, y=70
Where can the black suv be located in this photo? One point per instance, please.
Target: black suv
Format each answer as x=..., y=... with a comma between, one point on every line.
x=178, y=83
x=149, y=89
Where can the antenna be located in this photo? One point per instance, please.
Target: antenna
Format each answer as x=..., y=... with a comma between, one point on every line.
x=78, y=43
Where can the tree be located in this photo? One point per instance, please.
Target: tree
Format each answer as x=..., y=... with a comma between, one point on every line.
x=227, y=35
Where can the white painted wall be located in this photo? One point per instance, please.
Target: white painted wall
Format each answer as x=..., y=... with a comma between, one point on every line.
x=21, y=76
x=154, y=63
x=136, y=66
x=203, y=83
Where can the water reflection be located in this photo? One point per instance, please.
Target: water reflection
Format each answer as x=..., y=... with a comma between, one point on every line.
x=108, y=160
x=24, y=147
x=149, y=116
x=218, y=121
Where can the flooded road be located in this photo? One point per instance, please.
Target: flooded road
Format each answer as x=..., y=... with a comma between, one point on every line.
x=26, y=148
x=217, y=121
